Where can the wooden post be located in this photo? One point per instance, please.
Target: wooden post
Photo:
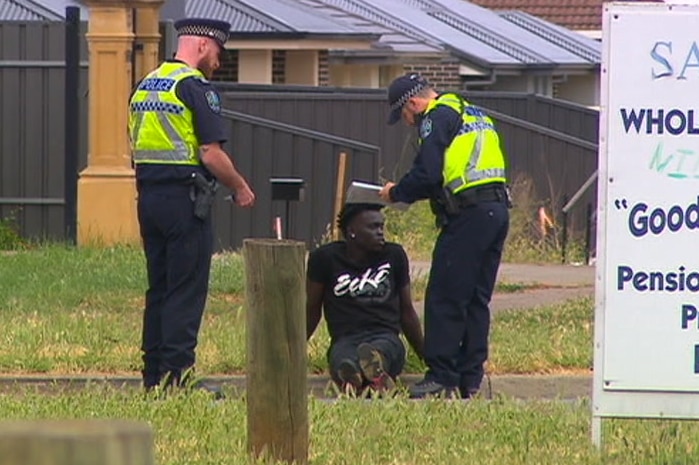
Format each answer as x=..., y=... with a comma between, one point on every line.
x=76, y=442
x=339, y=193
x=277, y=404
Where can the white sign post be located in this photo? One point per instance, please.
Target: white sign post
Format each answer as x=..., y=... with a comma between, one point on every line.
x=646, y=342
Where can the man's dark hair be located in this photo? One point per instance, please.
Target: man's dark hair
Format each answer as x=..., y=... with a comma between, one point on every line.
x=350, y=210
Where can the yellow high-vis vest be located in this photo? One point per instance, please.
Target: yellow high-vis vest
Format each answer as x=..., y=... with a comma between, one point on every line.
x=474, y=156
x=161, y=127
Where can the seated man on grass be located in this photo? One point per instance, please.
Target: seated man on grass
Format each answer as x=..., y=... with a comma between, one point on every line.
x=363, y=286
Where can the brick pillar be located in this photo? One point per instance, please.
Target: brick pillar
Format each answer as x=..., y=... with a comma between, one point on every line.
x=147, y=54
x=255, y=66
x=323, y=68
x=302, y=67
x=278, y=67
x=106, y=188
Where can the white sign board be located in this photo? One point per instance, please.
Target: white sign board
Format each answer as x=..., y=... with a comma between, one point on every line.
x=647, y=296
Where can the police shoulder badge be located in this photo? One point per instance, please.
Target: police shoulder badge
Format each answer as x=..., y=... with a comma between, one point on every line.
x=426, y=128
x=213, y=100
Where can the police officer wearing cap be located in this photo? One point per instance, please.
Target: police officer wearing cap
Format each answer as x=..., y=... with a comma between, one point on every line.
x=460, y=168
x=177, y=133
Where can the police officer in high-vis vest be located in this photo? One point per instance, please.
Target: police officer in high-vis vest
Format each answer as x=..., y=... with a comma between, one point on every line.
x=460, y=168
x=176, y=132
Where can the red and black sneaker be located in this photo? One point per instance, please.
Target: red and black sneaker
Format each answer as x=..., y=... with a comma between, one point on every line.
x=350, y=376
x=372, y=363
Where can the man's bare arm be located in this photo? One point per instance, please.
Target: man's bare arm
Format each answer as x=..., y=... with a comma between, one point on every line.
x=220, y=165
x=314, y=302
x=410, y=322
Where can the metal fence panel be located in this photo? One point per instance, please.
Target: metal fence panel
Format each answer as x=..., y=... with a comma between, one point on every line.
x=263, y=150
x=558, y=115
x=32, y=145
x=557, y=167
x=355, y=116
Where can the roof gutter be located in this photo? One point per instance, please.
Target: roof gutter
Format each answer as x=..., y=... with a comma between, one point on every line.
x=379, y=60
x=489, y=81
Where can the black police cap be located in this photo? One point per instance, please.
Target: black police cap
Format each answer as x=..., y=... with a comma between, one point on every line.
x=217, y=30
x=401, y=90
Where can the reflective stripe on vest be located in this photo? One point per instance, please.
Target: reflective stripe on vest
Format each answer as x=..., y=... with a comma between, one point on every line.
x=152, y=103
x=481, y=126
x=472, y=173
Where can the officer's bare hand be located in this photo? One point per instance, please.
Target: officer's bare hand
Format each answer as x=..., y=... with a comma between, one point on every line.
x=385, y=192
x=244, y=196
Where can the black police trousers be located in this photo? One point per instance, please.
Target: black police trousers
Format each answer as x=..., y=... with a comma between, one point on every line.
x=178, y=248
x=465, y=262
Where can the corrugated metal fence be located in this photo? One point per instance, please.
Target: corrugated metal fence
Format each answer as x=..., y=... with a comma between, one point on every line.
x=275, y=132
x=32, y=129
x=552, y=143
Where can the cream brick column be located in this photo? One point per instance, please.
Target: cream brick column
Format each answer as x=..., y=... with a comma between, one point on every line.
x=148, y=36
x=106, y=188
x=255, y=66
x=301, y=67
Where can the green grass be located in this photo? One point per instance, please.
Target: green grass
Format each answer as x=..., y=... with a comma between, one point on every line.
x=193, y=430
x=418, y=286
x=550, y=339
x=79, y=311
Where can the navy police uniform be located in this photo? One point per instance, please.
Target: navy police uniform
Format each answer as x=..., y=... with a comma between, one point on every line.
x=474, y=223
x=173, y=111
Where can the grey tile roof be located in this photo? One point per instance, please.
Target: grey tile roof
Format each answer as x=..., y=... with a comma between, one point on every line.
x=273, y=16
x=519, y=42
x=505, y=39
x=242, y=17
x=499, y=44
x=391, y=40
x=26, y=10
x=38, y=10
x=571, y=41
x=479, y=35
x=379, y=16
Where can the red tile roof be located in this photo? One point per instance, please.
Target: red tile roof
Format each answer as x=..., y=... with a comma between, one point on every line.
x=582, y=15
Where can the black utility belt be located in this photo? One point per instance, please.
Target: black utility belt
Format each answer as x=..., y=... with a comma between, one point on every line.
x=481, y=194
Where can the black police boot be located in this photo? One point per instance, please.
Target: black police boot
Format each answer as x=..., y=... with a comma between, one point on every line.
x=430, y=388
x=468, y=392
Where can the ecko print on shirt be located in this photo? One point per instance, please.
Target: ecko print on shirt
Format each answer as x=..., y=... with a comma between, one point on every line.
x=373, y=282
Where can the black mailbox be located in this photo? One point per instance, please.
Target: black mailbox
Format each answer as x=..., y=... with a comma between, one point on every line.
x=289, y=189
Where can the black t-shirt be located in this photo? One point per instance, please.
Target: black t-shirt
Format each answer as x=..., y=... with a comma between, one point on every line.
x=359, y=296
x=200, y=96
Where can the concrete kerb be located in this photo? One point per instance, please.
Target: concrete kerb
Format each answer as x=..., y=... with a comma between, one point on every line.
x=525, y=387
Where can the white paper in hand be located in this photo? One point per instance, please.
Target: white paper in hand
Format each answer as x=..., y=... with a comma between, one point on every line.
x=362, y=192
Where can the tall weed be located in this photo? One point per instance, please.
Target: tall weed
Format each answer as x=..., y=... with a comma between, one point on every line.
x=10, y=238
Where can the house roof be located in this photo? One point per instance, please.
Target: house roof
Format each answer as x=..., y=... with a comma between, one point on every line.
x=391, y=40
x=275, y=17
x=26, y=10
x=479, y=35
x=584, y=15
x=38, y=10
x=455, y=29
